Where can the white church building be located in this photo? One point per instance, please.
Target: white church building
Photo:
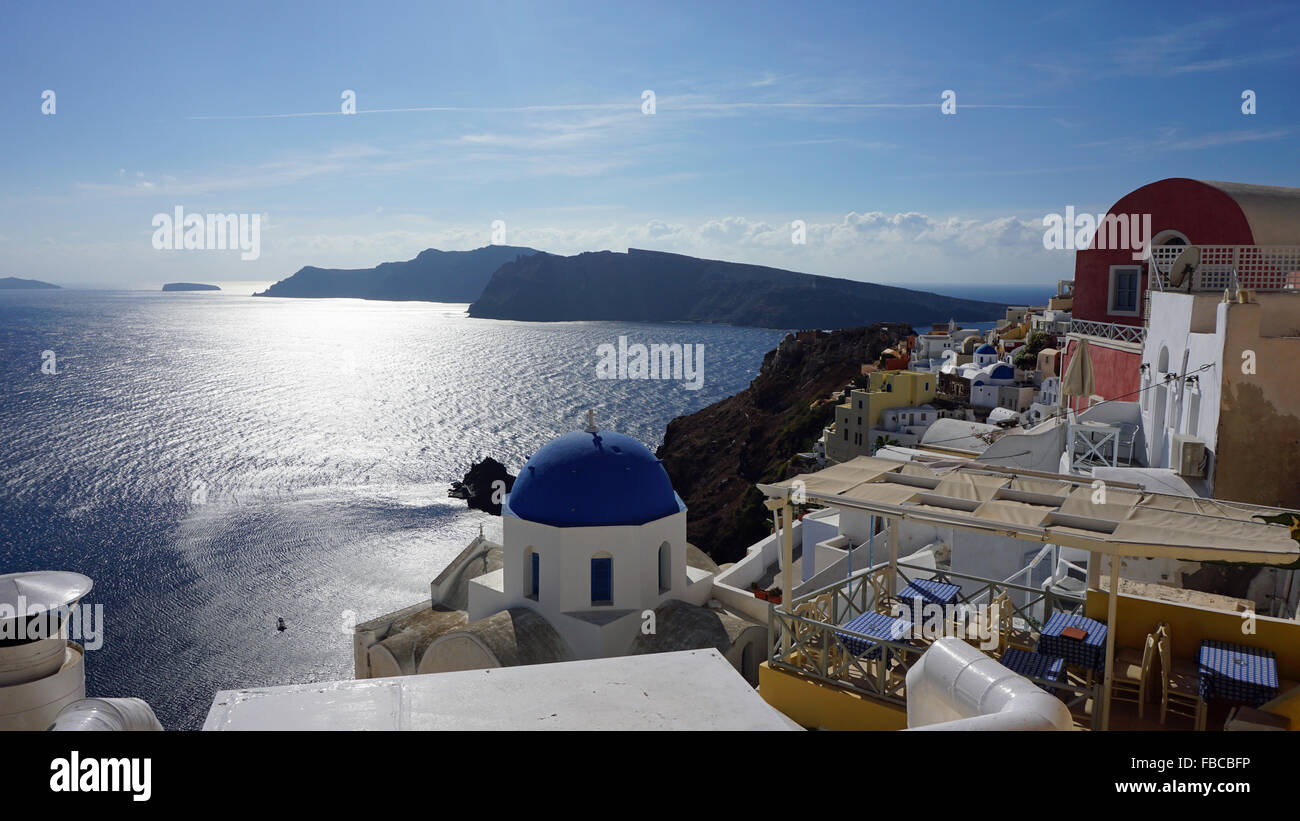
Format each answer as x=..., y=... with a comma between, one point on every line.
x=990, y=379
x=593, y=563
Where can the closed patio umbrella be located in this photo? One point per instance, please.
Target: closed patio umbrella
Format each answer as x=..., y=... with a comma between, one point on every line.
x=1077, y=379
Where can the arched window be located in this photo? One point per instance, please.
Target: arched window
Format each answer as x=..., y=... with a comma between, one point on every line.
x=665, y=568
x=532, y=574
x=1169, y=237
x=602, y=580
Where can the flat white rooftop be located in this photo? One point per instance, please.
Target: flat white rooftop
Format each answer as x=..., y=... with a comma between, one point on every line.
x=688, y=690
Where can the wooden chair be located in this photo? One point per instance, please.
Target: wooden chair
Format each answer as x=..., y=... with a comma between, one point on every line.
x=807, y=635
x=1179, y=684
x=821, y=607
x=883, y=601
x=1132, y=670
x=1009, y=634
x=976, y=624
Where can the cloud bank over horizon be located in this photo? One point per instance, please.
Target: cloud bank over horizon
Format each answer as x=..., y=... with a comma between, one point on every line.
x=869, y=246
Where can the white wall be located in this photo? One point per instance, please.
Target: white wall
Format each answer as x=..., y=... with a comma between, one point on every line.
x=1171, y=328
x=818, y=526
x=1037, y=449
x=732, y=586
x=565, y=576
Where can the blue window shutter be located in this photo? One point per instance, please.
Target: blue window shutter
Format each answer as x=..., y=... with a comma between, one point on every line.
x=602, y=586
x=537, y=575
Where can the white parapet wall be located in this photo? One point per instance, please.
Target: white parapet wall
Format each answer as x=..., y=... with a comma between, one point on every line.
x=32, y=694
x=685, y=690
x=732, y=586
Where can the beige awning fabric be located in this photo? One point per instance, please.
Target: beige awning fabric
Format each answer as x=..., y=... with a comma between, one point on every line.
x=1066, y=510
x=1021, y=513
x=1206, y=507
x=888, y=492
x=1100, y=503
x=839, y=478
x=913, y=469
x=1152, y=526
x=1046, y=487
x=978, y=487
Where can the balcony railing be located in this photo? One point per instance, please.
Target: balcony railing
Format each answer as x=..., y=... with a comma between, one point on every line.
x=1253, y=267
x=807, y=636
x=1109, y=330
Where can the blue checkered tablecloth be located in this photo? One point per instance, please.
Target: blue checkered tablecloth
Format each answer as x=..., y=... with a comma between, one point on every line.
x=878, y=625
x=930, y=591
x=1236, y=673
x=1033, y=665
x=1090, y=652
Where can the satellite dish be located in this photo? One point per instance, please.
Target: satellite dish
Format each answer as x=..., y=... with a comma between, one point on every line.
x=1184, y=266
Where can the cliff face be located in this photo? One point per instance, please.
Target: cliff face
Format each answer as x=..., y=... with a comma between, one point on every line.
x=650, y=286
x=433, y=276
x=715, y=456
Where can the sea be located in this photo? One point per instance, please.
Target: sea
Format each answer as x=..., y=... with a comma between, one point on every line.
x=217, y=462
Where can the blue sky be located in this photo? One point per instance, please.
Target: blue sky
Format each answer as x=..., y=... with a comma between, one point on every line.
x=531, y=113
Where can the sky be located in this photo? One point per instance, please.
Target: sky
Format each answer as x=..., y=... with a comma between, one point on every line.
x=533, y=117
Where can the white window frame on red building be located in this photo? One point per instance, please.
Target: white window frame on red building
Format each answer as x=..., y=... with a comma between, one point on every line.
x=1137, y=291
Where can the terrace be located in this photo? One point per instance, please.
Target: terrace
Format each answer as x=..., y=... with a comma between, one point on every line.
x=813, y=637
x=1259, y=268
x=1263, y=268
x=840, y=655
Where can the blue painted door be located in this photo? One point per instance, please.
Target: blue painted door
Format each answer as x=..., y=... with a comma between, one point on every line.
x=602, y=580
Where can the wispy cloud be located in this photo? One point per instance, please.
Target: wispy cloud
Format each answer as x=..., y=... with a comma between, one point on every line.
x=1195, y=47
x=1169, y=139
x=665, y=104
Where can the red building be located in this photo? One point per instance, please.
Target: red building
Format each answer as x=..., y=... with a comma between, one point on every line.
x=1237, y=228
x=1110, y=286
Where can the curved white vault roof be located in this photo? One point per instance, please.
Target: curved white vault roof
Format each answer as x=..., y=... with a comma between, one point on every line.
x=1272, y=211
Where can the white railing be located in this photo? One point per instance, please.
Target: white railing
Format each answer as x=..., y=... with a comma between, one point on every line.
x=1254, y=267
x=1109, y=330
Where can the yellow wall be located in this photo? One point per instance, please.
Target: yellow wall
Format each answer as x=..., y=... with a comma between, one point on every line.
x=1259, y=426
x=909, y=388
x=1189, y=624
x=1286, y=705
x=811, y=703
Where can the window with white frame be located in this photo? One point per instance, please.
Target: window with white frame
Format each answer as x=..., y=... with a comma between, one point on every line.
x=1125, y=281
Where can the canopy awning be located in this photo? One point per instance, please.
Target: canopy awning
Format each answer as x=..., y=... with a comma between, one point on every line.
x=1065, y=510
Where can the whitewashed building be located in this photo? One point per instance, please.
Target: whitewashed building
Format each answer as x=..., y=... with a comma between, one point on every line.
x=593, y=563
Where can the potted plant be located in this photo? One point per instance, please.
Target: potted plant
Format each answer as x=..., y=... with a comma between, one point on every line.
x=774, y=595
x=759, y=593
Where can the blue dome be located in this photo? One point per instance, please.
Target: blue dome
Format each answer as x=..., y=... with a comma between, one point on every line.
x=986, y=348
x=584, y=479
x=1002, y=371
